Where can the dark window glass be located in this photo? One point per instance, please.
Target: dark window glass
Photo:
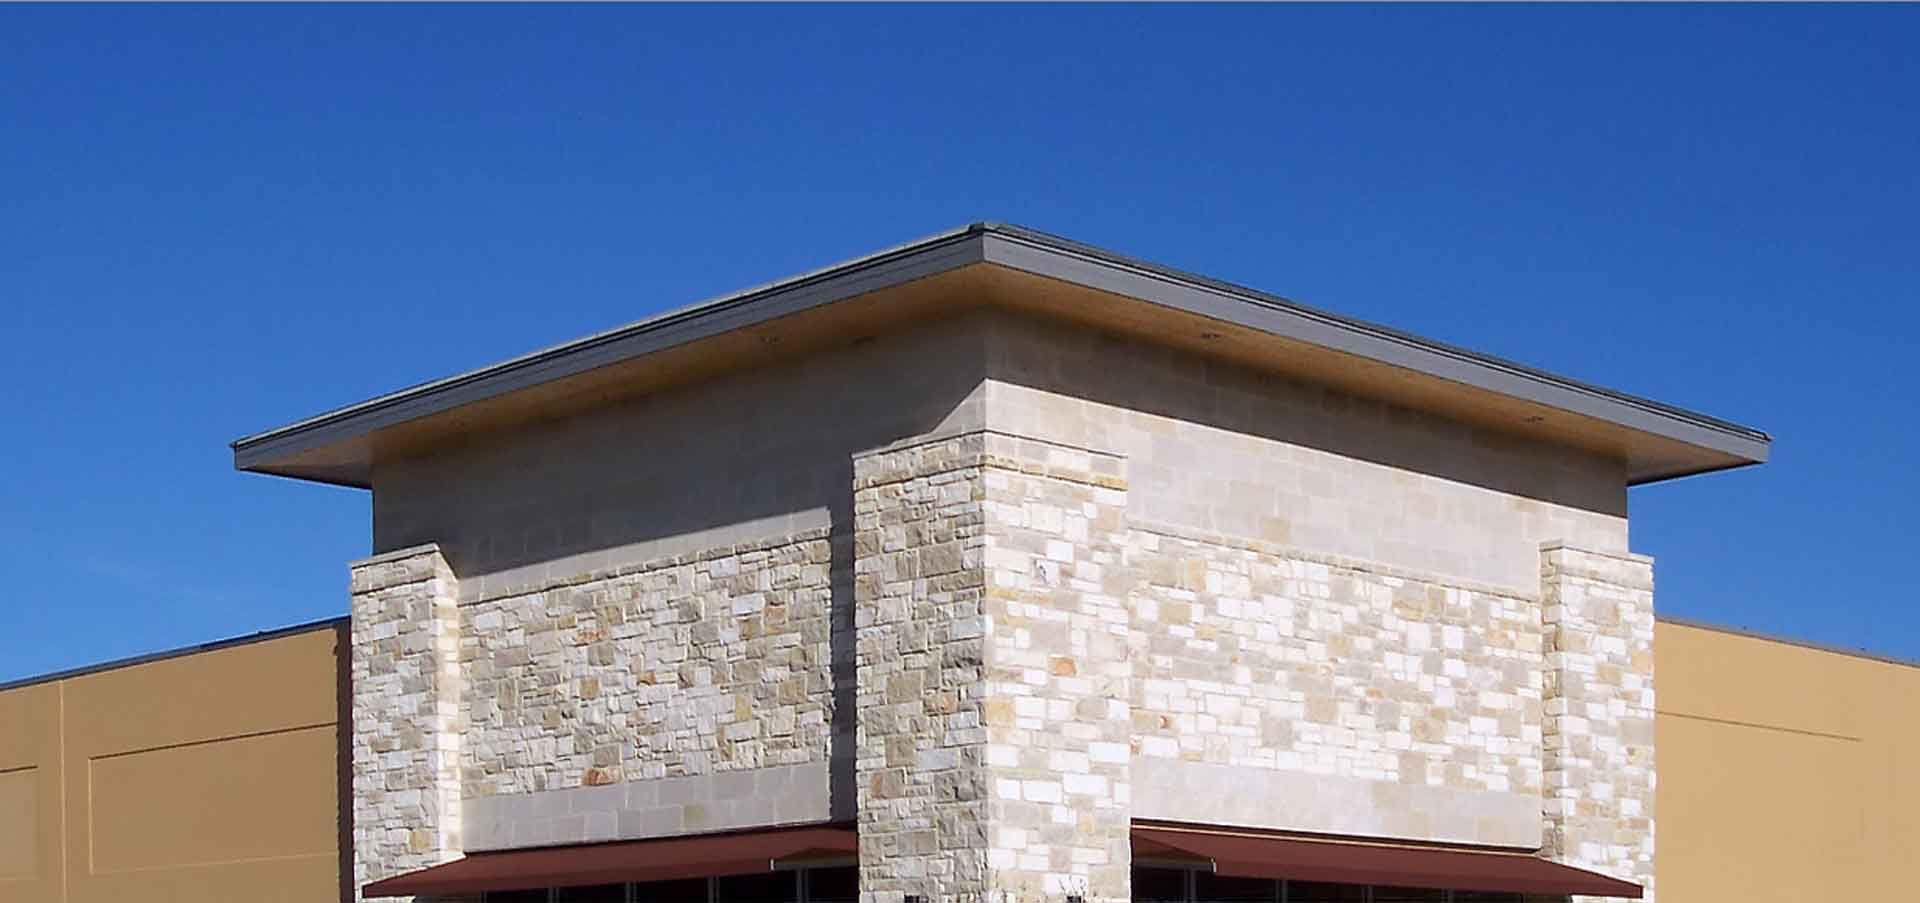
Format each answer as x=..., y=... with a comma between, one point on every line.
x=1212, y=888
x=1408, y=895
x=1151, y=885
x=1487, y=896
x=517, y=896
x=834, y=885
x=685, y=890
x=765, y=887
x=1315, y=892
x=598, y=893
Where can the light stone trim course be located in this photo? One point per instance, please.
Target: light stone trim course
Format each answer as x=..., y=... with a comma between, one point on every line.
x=406, y=687
x=1254, y=797
x=693, y=804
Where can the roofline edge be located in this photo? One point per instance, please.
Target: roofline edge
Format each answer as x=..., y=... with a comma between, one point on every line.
x=1034, y=252
x=260, y=636
x=1763, y=636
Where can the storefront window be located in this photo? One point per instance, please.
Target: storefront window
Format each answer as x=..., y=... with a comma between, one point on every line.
x=1315, y=892
x=598, y=893
x=687, y=890
x=1408, y=895
x=1211, y=888
x=834, y=885
x=766, y=887
x=1151, y=885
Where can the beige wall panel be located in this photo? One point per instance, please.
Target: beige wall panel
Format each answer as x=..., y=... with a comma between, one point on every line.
x=309, y=879
x=202, y=804
x=1903, y=765
x=1786, y=773
x=207, y=776
x=1737, y=678
x=30, y=816
x=19, y=823
x=1755, y=814
x=248, y=688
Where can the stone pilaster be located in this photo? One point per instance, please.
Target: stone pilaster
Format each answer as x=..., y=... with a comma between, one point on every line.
x=1059, y=721
x=406, y=713
x=1599, y=768
x=920, y=660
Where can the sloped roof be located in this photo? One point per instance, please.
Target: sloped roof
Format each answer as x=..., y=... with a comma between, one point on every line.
x=1658, y=441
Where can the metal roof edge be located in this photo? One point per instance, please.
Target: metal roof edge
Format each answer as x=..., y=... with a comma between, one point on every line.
x=335, y=622
x=1679, y=621
x=1383, y=343
x=1043, y=254
x=540, y=365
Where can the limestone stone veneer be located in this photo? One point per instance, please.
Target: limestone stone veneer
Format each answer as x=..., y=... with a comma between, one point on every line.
x=992, y=669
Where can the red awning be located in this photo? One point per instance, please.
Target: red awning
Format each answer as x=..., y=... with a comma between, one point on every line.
x=664, y=859
x=1254, y=855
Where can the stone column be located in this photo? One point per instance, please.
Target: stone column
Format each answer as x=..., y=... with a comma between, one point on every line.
x=406, y=713
x=1059, y=721
x=993, y=739
x=1599, y=778
x=920, y=655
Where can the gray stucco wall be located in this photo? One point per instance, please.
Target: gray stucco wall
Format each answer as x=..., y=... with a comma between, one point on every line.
x=752, y=455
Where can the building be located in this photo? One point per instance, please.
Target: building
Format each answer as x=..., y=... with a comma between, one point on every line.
x=205, y=774
x=995, y=567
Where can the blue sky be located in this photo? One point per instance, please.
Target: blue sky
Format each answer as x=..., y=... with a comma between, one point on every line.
x=216, y=219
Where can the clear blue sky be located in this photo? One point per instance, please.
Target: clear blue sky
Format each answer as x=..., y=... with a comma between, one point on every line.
x=216, y=219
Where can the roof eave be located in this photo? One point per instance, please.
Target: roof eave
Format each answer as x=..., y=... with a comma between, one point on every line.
x=1021, y=249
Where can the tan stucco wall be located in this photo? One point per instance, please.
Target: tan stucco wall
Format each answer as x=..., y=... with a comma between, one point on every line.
x=207, y=776
x=1786, y=773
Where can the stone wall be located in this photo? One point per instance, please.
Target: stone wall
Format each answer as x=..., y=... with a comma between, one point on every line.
x=1062, y=594
x=703, y=664
x=407, y=727
x=1256, y=655
x=1599, y=742
x=1058, y=679
x=921, y=652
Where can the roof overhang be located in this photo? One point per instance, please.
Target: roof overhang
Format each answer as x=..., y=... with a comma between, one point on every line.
x=618, y=862
x=1256, y=854
x=1008, y=267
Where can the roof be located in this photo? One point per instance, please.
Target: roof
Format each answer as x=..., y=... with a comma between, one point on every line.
x=1659, y=441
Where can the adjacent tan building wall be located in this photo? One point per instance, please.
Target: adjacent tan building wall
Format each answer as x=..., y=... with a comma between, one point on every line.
x=1786, y=773
x=205, y=776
